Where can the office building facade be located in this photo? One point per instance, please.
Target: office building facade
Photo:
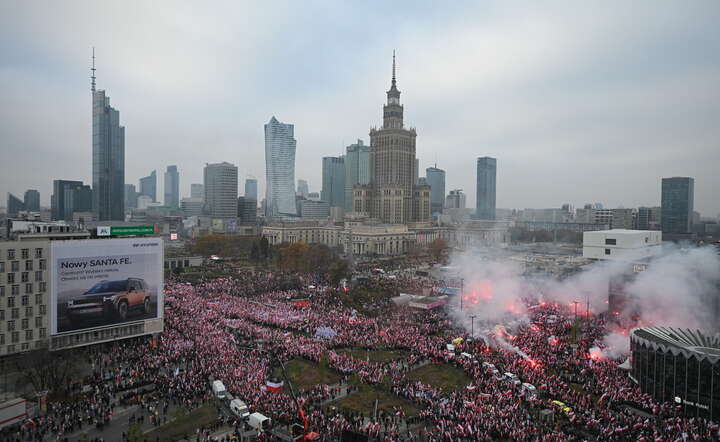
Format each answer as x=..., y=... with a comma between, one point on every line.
x=677, y=203
x=303, y=188
x=69, y=197
x=456, y=199
x=280, y=146
x=436, y=180
x=357, y=170
x=130, y=196
x=247, y=210
x=148, y=186
x=251, y=189
x=333, y=181
x=198, y=191
x=172, y=187
x=14, y=205
x=31, y=200
x=485, y=196
x=221, y=190
x=108, y=159
x=393, y=196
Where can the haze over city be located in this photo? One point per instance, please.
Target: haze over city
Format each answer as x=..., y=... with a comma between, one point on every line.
x=578, y=102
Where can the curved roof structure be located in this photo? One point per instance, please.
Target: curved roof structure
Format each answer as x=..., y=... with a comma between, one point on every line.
x=690, y=343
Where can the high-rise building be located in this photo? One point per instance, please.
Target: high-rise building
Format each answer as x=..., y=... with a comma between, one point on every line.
x=456, y=199
x=436, y=179
x=221, y=190
x=623, y=219
x=302, y=188
x=32, y=200
x=357, y=170
x=77, y=199
x=108, y=158
x=485, y=196
x=148, y=186
x=251, y=189
x=62, y=200
x=192, y=206
x=393, y=195
x=677, y=201
x=197, y=191
x=310, y=209
x=247, y=210
x=172, y=187
x=280, y=147
x=14, y=205
x=131, y=196
x=333, y=181
x=648, y=218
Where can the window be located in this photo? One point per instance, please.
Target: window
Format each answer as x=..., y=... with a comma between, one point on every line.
x=38, y=253
x=38, y=321
x=2, y=291
x=28, y=265
x=24, y=277
x=2, y=266
x=15, y=313
x=42, y=287
x=38, y=299
x=25, y=253
x=11, y=278
x=28, y=287
x=11, y=254
x=28, y=311
x=15, y=266
x=25, y=323
x=15, y=336
x=2, y=339
x=43, y=309
x=25, y=300
x=15, y=290
x=11, y=348
x=11, y=325
x=38, y=275
x=607, y=251
x=28, y=335
x=42, y=265
x=43, y=333
x=610, y=241
x=25, y=346
x=2, y=315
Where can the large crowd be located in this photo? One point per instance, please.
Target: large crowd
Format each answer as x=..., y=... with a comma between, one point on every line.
x=227, y=328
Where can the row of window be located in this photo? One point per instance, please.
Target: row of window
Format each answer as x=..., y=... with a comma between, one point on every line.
x=29, y=336
x=25, y=346
x=15, y=314
x=24, y=277
x=24, y=324
x=15, y=289
x=25, y=302
x=15, y=265
x=24, y=253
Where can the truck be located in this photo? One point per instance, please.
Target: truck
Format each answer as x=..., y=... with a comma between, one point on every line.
x=219, y=389
x=259, y=421
x=239, y=408
x=12, y=412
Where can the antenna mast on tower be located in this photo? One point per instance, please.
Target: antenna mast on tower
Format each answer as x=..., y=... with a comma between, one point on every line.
x=92, y=76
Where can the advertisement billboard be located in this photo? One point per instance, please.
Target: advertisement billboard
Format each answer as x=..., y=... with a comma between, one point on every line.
x=105, y=282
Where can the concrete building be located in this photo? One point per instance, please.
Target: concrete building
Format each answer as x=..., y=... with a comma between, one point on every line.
x=310, y=209
x=333, y=181
x=456, y=199
x=485, y=197
x=545, y=215
x=198, y=191
x=32, y=200
x=130, y=196
x=621, y=245
x=624, y=219
x=108, y=158
x=357, y=170
x=251, y=191
x=677, y=201
x=393, y=195
x=247, y=210
x=302, y=188
x=148, y=186
x=221, y=190
x=436, y=180
x=280, y=145
x=172, y=187
x=192, y=206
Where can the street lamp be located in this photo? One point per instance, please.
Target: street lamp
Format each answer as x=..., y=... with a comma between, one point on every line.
x=576, y=322
x=462, y=292
x=472, y=326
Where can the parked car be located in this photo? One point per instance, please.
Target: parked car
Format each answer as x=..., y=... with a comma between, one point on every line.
x=111, y=300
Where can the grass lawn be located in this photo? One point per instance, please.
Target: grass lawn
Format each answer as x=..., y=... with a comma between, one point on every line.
x=184, y=425
x=364, y=401
x=304, y=374
x=444, y=376
x=376, y=356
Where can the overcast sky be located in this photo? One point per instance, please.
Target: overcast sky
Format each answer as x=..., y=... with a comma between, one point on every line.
x=579, y=101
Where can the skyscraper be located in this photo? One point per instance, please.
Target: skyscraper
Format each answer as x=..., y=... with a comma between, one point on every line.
x=57, y=200
x=197, y=191
x=280, y=147
x=436, y=179
x=677, y=201
x=357, y=170
x=455, y=199
x=251, y=189
x=221, y=190
x=148, y=186
x=108, y=157
x=131, y=196
x=485, y=196
x=32, y=200
x=302, y=188
x=69, y=197
x=333, y=181
x=393, y=195
x=172, y=187
x=14, y=205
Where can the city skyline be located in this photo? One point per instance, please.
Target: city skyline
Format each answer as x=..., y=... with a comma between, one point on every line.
x=558, y=130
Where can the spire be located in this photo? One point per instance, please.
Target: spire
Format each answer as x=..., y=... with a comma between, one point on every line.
x=393, y=74
x=92, y=76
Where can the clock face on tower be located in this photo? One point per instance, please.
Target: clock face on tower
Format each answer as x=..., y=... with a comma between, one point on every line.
x=393, y=100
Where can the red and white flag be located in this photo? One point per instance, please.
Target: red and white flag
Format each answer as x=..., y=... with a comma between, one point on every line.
x=275, y=385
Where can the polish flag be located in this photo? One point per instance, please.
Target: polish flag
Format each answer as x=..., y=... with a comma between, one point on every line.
x=275, y=385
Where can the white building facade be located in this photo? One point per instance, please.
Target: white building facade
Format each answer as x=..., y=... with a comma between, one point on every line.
x=280, y=146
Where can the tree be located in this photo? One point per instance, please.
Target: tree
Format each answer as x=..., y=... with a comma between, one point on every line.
x=438, y=248
x=255, y=252
x=264, y=248
x=339, y=270
x=47, y=371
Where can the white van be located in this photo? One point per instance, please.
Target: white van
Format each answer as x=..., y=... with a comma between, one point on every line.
x=512, y=378
x=239, y=408
x=219, y=389
x=259, y=421
x=529, y=390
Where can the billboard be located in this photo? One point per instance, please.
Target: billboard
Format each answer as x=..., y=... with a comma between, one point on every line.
x=105, y=282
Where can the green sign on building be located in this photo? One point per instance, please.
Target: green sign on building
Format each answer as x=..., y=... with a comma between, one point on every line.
x=125, y=230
